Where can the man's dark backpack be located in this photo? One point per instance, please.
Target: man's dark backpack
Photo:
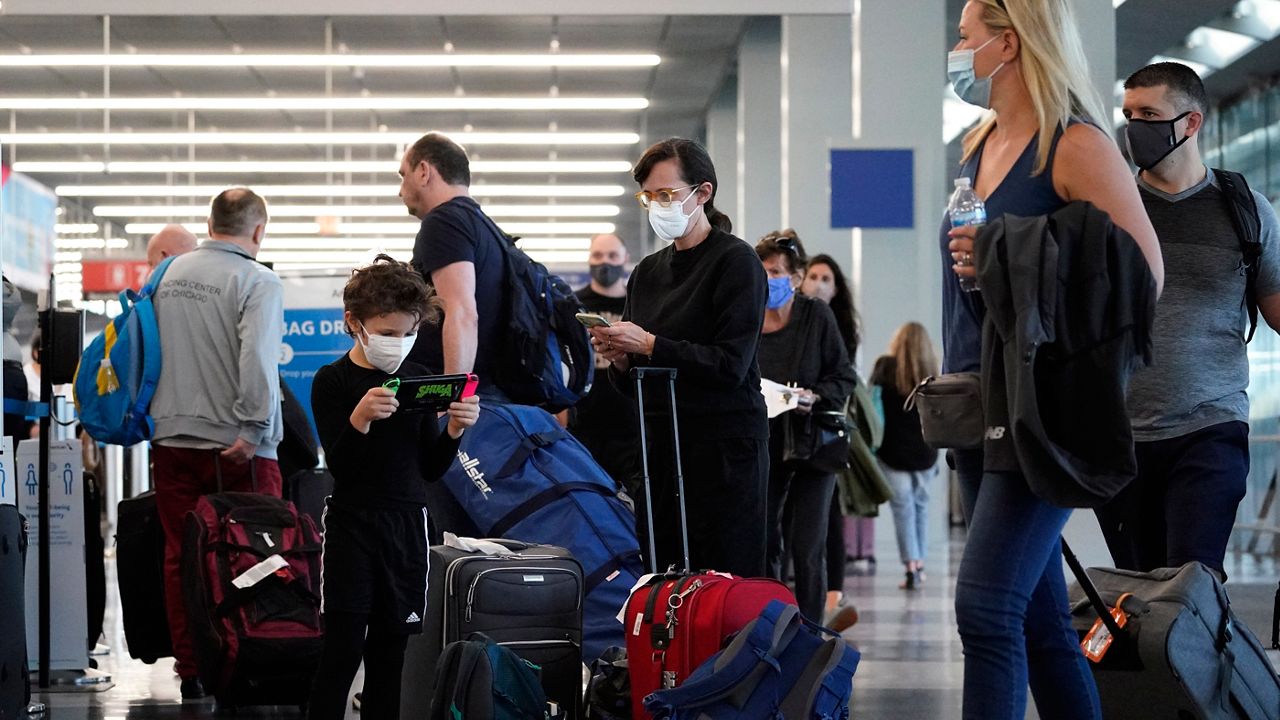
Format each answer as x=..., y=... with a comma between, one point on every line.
x=547, y=358
x=1244, y=215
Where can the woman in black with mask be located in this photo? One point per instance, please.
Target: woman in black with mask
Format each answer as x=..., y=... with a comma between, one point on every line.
x=697, y=305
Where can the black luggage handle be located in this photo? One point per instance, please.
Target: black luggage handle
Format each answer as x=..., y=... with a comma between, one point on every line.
x=1090, y=590
x=639, y=374
x=217, y=471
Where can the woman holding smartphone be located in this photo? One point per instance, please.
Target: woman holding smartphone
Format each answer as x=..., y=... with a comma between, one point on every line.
x=697, y=306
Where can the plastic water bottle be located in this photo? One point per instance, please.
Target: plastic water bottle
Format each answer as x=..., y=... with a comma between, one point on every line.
x=966, y=209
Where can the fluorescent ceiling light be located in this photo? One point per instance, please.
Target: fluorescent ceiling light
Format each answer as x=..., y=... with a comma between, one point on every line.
x=288, y=260
x=281, y=210
x=316, y=138
x=75, y=228
x=404, y=229
x=1117, y=3
x=406, y=243
x=578, y=60
x=1267, y=12
x=240, y=167
x=568, y=244
x=90, y=243
x=68, y=256
x=1225, y=45
x=322, y=103
x=337, y=191
x=1201, y=69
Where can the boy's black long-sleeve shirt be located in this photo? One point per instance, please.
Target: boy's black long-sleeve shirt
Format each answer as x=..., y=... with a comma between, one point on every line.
x=388, y=468
x=705, y=306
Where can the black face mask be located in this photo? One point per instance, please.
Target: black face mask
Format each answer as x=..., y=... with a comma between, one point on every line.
x=1151, y=141
x=607, y=275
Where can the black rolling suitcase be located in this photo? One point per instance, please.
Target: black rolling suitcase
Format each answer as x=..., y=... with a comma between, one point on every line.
x=140, y=571
x=14, y=690
x=308, y=490
x=1181, y=654
x=530, y=602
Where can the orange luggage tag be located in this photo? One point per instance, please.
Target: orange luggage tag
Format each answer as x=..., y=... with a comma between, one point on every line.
x=1099, y=639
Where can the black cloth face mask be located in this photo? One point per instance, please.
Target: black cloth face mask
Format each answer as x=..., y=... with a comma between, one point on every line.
x=1151, y=141
x=606, y=274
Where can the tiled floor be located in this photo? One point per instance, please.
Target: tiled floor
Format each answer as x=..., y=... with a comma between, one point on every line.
x=912, y=666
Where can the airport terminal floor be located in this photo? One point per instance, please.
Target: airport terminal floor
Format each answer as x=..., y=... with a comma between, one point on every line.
x=911, y=669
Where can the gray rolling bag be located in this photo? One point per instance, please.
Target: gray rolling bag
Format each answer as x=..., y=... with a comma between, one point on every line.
x=1182, y=654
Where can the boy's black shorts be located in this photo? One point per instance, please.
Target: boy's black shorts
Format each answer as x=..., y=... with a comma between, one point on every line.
x=375, y=562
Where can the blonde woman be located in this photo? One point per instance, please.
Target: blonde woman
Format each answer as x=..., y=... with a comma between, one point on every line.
x=1039, y=149
x=907, y=462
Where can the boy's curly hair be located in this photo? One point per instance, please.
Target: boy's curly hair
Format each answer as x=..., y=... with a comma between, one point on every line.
x=386, y=286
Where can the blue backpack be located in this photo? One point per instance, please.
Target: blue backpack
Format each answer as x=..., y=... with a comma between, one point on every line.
x=779, y=666
x=119, y=371
x=546, y=357
x=521, y=476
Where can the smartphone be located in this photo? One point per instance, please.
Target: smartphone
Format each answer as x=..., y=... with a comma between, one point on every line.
x=431, y=393
x=591, y=320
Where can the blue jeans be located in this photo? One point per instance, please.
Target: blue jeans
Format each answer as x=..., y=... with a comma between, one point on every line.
x=1011, y=607
x=910, y=505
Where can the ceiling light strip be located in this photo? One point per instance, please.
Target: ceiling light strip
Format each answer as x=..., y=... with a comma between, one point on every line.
x=316, y=138
x=336, y=191
x=403, y=229
x=237, y=104
x=243, y=167
x=539, y=60
x=283, y=210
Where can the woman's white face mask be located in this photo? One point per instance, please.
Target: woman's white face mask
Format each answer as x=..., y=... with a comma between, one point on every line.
x=672, y=221
x=385, y=353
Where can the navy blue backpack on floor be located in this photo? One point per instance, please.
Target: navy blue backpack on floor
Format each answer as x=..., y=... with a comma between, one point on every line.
x=779, y=666
x=521, y=476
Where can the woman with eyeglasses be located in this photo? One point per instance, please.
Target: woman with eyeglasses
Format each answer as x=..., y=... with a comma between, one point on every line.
x=802, y=347
x=697, y=305
x=1040, y=148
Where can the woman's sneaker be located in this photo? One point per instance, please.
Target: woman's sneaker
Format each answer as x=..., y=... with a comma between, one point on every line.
x=840, y=618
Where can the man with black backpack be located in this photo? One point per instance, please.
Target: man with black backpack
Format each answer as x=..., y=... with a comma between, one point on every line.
x=458, y=252
x=1189, y=409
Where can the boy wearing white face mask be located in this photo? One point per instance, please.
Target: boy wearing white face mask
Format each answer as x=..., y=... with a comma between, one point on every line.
x=375, y=525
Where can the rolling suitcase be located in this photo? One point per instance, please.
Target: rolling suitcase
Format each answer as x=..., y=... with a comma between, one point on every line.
x=13, y=628
x=140, y=571
x=251, y=584
x=1181, y=652
x=308, y=490
x=679, y=618
x=529, y=602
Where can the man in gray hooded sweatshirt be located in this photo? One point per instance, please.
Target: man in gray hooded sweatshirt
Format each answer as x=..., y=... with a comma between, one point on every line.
x=217, y=405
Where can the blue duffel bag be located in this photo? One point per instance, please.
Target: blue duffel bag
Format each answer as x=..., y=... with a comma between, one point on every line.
x=521, y=476
x=779, y=666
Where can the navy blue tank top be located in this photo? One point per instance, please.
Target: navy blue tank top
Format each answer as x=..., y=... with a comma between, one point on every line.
x=1018, y=194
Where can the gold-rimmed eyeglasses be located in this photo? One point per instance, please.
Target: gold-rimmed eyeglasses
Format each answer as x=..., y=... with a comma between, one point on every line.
x=662, y=196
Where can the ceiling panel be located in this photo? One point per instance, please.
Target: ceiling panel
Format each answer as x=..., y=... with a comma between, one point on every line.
x=697, y=54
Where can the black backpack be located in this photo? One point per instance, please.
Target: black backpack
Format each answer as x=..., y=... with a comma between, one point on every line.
x=1243, y=208
x=546, y=355
x=478, y=679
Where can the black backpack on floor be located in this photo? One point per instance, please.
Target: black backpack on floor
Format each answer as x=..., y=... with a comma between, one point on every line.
x=478, y=679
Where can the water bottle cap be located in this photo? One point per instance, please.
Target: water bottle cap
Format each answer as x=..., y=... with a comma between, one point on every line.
x=962, y=182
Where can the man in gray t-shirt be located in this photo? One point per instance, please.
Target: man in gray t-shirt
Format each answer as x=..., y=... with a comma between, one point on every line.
x=1190, y=409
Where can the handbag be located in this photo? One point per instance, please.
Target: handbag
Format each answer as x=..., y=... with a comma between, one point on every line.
x=950, y=406
x=819, y=440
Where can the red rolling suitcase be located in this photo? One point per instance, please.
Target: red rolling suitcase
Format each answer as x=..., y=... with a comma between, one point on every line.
x=679, y=618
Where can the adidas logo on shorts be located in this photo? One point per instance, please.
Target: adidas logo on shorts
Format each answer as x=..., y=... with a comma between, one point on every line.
x=413, y=618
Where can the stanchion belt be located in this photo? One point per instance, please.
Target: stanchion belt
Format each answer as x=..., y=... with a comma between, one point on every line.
x=29, y=410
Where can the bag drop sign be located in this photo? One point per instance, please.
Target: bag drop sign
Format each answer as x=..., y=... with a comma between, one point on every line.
x=314, y=332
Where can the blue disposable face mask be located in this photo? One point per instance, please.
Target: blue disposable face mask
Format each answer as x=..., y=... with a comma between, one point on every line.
x=780, y=291
x=973, y=90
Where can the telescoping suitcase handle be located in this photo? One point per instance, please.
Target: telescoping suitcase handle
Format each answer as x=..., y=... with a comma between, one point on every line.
x=1090, y=590
x=670, y=374
x=217, y=471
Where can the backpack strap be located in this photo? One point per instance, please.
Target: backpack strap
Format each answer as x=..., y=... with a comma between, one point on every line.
x=1243, y=208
